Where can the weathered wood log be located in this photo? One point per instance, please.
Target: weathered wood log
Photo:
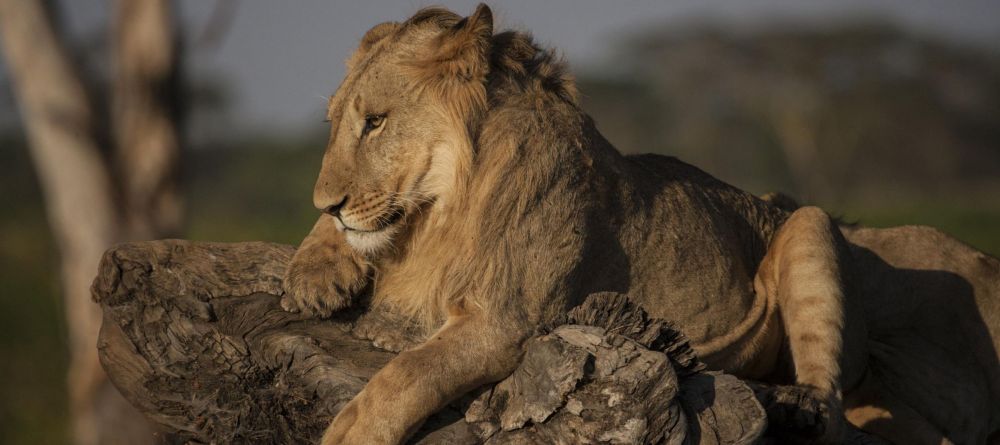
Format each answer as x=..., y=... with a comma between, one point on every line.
x=194, y=337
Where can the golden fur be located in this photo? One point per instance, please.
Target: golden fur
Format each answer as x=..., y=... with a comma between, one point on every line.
x=464, y=186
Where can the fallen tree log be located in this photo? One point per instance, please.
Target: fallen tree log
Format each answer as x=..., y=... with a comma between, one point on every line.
x=193, y=336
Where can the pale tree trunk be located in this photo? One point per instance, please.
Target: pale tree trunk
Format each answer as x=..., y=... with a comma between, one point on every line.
x=145, y=123
x=91, y=203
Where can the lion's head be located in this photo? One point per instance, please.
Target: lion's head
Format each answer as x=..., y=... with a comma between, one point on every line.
x=400, y=120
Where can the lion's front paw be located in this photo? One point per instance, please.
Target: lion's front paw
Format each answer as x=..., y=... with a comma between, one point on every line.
x=389, y=331
x=320, y=286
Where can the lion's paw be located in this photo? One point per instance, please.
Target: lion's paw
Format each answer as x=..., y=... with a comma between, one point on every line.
x=803, y=414
x=318, y=288
x=388, y=331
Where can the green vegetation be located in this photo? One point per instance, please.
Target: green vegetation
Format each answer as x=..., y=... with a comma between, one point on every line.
x=976, y=226
x=32, y=328
x=259, y=191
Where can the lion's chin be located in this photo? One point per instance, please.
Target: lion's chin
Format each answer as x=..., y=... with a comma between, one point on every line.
x=371, y=242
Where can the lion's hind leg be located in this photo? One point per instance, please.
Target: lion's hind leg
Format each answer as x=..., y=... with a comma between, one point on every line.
x=801, y=271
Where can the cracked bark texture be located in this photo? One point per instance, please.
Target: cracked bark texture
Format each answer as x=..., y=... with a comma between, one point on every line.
x=194, y=337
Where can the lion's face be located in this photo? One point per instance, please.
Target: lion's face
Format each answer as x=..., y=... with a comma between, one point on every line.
x=393, y=142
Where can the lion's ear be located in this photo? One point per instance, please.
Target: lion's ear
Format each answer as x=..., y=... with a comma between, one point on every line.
x=463, y=50
x=378, y=32
x=373, y=36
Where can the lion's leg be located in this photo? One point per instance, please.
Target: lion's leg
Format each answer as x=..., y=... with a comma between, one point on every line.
x=801, y=270
x=325, y=273
x=466, y=353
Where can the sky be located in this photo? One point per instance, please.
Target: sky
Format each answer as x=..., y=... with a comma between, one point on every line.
x=280, y=59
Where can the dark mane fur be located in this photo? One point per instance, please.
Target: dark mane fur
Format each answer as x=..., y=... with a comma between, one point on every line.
x=516, y=61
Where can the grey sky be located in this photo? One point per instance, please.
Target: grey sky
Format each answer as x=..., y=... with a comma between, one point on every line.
x=281, y=57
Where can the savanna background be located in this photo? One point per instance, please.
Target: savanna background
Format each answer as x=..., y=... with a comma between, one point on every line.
x=883, y=112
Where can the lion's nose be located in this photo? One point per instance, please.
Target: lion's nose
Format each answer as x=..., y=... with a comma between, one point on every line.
x=334, y=209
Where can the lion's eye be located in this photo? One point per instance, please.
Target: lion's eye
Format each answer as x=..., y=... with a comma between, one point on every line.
x=372, y=121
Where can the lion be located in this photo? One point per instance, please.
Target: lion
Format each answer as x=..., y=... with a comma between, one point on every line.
x=931, y=311
x=463, y=186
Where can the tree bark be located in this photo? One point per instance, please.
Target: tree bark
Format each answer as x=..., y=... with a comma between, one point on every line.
x=93, y=202
x=193, y=336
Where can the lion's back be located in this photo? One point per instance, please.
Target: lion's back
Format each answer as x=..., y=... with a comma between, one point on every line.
x=695, y=235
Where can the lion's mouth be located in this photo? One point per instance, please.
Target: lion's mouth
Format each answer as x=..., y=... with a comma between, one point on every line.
x=383, y=222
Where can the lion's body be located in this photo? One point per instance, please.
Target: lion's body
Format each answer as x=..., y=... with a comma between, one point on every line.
x=463, y=180
x=627, y=224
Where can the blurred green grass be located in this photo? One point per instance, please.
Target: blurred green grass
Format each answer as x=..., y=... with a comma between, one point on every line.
x=977, y=226
x=258, y=190
x=32, y=328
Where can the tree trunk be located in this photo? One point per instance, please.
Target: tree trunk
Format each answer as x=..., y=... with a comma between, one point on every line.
x=193, y=336
x=78, y=191
x=91, y=203
x=146, y=117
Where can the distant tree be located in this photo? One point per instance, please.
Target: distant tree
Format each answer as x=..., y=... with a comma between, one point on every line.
x=107, y=175
x=836, y=113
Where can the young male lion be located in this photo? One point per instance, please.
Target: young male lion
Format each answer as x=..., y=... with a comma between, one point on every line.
x=464, y=186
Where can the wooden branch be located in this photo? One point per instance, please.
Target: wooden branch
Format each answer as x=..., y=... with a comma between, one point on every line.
x=193, y=336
